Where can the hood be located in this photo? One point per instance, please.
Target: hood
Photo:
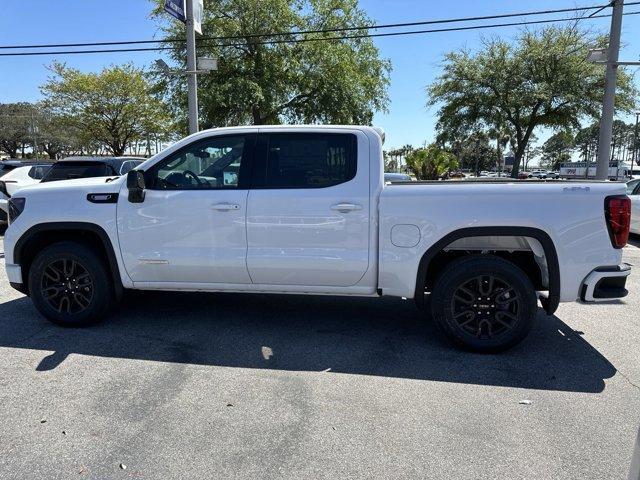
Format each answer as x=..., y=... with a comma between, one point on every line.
x=93, y=184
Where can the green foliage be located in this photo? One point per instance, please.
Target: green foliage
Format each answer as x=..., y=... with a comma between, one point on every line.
x=15, y=123
x=557, y=149
x=114, y=107
x=393, y=158
x=431, y=163
x=541, y=80
x=586, y=141
x=472, y=149
x=622, y=141
x=341, y=81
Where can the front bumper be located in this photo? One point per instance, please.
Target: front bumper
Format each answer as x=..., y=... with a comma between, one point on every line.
x=14, y=273
x=605, y=283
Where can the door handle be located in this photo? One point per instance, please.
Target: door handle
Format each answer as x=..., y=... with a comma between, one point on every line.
x=346, y=207
x=225, y=206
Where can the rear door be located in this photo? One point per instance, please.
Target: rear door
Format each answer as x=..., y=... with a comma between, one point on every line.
x=308, y=210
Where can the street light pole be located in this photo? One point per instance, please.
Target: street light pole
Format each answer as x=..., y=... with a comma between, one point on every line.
x=192, y=79
x=606, y=122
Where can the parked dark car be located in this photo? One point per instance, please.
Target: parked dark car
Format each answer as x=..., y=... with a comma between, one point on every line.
x=85, y=167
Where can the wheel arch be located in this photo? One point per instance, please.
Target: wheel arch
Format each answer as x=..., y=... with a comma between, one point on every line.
x=550, y=304
x=45, y=234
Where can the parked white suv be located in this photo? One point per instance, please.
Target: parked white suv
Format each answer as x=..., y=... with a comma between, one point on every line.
x=16, y=179
x=304, y=209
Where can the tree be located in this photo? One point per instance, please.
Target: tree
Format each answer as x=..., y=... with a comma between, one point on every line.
x=471, y=148
x=16, y=127
x=114, y=107
x=557, y=149
x=541, y=80
x=621, y=139
x=431, y=163
x=586, y=141
x=339, y=81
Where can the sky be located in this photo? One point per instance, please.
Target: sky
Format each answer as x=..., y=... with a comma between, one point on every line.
x=415, y=59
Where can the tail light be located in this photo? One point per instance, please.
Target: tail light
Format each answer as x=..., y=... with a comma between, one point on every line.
x=617, y=210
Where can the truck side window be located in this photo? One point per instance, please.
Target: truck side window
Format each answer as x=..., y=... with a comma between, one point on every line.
x=213, y=163
x=310, y=160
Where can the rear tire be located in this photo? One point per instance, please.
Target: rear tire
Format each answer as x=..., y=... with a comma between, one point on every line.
x=69, y=285
x=484, y=303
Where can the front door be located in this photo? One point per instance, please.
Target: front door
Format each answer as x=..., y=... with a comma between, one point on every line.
x=308, y=211
x=190, y=228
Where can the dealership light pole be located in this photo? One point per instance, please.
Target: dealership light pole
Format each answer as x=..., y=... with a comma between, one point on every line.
x=606, y=122
x=192, y=78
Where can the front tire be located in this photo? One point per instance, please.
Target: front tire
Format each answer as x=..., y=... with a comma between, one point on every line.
x=69, y=285
x=484, y=303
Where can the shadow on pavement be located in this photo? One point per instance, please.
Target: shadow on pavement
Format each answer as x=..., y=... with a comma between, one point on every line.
x=634, y=240
x=382, y=337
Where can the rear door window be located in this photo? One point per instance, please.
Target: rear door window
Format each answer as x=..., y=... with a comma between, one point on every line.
x=309, y=160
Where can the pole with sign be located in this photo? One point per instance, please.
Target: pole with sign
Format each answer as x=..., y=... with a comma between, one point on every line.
x=192, y=79
x=184, y=11
x=606, y=121
x=175, y=8
x=198, y=8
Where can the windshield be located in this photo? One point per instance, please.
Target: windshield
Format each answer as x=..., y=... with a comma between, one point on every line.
x=71, y=170
x=632, y=185
x=4, y=169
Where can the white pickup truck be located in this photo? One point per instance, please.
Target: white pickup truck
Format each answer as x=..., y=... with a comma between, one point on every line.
x=305, y=210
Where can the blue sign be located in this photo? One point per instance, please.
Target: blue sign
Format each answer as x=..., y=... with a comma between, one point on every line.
x=176, y=9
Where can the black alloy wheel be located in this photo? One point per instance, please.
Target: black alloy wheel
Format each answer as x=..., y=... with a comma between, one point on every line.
x=486, y=306
x=70, y=284
x=67, y=286
x=484, y=303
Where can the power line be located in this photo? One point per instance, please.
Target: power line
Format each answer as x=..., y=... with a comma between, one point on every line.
x=598, y=9
x=312, y=39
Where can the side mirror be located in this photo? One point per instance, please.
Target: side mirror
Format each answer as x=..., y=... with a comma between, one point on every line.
x=136, y=186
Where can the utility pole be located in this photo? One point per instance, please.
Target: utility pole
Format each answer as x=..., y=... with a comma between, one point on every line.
x=192, y=79
x=606, y=122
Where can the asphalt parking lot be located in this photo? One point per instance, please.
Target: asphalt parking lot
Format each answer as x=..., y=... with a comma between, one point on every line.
x=257, y=386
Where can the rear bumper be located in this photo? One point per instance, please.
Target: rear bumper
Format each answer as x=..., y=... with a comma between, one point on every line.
x=605, y=283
